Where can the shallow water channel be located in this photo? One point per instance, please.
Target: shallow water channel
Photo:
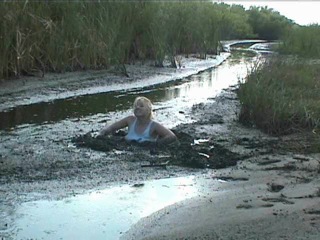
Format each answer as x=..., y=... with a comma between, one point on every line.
x=178, y=94
x=106, y=214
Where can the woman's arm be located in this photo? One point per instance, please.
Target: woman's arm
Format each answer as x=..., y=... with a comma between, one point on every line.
x=166, y=136
x=116, y=126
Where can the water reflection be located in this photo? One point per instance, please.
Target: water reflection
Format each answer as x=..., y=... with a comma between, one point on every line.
x=191, y=90
x=99, y=215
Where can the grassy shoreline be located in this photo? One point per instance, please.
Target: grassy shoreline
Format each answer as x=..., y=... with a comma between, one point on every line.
x=281, y=96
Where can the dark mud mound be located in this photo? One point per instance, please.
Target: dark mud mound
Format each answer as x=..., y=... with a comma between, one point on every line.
x=102, y=143
x=185, y=152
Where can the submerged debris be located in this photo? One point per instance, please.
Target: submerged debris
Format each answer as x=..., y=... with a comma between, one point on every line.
x=184, y=152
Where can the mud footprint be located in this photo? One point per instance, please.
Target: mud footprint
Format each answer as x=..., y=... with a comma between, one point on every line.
x=278, y=199
x=244, y=206
x=268, y=162
x=316, y=212
x=274, y=187
x=249, y=206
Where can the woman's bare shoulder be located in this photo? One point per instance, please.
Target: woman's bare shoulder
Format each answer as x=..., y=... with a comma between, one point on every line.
x=158, y=126
x=130, y=118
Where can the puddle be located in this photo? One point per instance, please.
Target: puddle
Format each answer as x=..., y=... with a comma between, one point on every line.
x=104, y=214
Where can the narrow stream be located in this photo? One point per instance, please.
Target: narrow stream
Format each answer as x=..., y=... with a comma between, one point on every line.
x=181, y=93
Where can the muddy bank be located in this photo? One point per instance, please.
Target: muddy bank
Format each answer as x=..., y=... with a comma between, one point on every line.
x=213, y=140
x=39, y=161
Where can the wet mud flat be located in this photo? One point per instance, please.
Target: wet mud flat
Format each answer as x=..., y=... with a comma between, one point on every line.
x=87, y=156
x=285, y=169
x=41, y=158
x=271, y=193
x=80, y=162
x=37, y=159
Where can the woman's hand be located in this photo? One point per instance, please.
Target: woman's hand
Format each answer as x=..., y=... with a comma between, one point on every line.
x=116, y=126
x=104, y=131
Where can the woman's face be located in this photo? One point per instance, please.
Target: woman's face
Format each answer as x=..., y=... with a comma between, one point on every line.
x=141, y=109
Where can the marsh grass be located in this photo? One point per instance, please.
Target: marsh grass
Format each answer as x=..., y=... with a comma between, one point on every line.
x=62, y=36
x=302, y=41
x=240, y=53
x=70, y=35
x=282, y=96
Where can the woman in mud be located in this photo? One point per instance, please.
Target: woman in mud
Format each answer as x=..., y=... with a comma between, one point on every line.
x=141, y=127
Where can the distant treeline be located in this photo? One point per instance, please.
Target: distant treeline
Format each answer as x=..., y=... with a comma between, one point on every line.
x=59, y=36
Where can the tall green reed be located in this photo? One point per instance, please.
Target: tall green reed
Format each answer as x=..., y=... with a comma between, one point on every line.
x=302, y=41
x=73, y=35
x=69, y=36
x=282, y=96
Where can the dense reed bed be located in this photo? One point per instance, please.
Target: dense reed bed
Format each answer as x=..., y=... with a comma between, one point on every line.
x=68, y=36
x=302, y=41
x=281, y=96
x=59, y=36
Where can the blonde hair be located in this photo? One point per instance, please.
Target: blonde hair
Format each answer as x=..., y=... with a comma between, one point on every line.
x=146, y=101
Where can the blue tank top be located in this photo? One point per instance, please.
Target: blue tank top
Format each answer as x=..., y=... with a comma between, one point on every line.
x=134, y=136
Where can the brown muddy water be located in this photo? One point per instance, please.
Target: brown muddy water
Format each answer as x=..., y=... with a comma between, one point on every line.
x=108, y=213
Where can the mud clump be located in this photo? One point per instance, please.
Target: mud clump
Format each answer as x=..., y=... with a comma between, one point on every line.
x=184, y=152
x=101, y=143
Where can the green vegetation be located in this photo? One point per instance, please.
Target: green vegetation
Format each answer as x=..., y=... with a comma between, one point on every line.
x=61, y=36
x=281, y=96
x=302, y=41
